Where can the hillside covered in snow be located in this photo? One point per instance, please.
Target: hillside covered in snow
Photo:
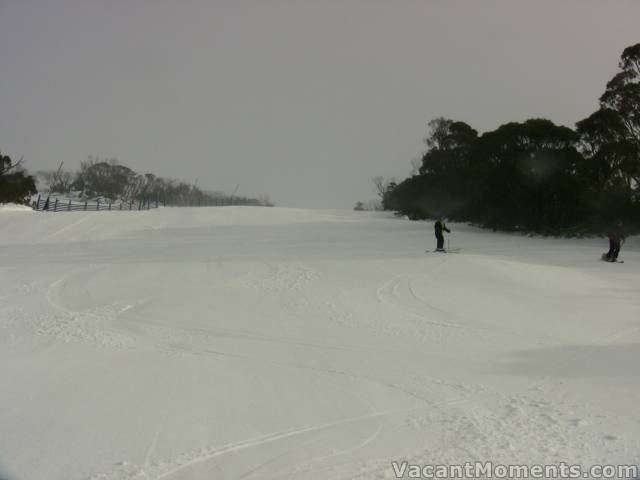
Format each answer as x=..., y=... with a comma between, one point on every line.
x=271, y=343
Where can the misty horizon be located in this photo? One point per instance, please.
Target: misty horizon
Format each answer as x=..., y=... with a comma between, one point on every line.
x=303, y=101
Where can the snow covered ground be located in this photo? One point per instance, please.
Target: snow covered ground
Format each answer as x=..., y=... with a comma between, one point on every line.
x=246, y=343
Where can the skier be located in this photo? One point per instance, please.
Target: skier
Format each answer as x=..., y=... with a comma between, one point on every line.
x=439, y=227
x=616, y=236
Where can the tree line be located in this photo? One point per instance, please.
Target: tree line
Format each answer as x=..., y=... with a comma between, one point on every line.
x=535, y=175
x=109, y=180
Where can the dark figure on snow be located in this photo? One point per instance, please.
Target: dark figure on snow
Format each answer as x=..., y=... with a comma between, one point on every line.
x=616, y=239
x=439, y=227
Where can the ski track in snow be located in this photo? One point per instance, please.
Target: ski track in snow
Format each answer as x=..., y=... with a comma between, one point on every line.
x=82, y=326
x=164, y=469
x=545, y=428
x=65, y=228
x=388, y=293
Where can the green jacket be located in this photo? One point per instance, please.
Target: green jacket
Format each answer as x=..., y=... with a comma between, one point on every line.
x=439, y=227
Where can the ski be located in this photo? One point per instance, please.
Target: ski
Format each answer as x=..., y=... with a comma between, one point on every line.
x=605, y=259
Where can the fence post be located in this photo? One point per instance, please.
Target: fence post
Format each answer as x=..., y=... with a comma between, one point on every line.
x=46, y=204
x=55, y=205
x=69, y=206
x=97, y=205
x=85, y=205
x=38, y=203
x=109, y=206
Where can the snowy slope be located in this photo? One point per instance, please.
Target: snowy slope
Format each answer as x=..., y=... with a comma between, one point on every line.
x=239, y=342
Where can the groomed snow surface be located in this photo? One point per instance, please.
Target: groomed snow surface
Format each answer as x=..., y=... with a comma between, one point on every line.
x=270, y=343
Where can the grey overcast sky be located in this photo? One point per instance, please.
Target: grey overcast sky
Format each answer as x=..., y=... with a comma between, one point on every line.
x=305, y=100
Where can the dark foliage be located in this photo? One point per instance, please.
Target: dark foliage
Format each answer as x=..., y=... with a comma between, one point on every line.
x=535, y=175
x=15, y=185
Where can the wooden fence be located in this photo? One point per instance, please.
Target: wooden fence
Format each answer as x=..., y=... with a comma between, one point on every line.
x=55, y=204
x=49, y=204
